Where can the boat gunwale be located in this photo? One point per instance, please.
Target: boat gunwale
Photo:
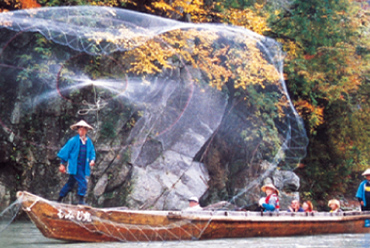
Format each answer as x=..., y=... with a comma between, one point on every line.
x=217, y=215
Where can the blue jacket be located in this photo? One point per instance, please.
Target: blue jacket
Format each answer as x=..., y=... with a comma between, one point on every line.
x=361, y=192
x=271, y=204
x=70, y=151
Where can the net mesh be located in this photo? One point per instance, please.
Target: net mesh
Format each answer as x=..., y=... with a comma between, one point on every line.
x=170, y=101
x=8, y=215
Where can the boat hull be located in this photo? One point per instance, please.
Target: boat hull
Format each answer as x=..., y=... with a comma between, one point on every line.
x=83, y=223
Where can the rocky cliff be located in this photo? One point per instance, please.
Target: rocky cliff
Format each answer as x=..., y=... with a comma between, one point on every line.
x=177, y=111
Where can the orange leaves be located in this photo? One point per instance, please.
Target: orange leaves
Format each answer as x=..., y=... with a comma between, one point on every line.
x=27, y=4
x=309, y=56
x=22, y=4
x=315, y=113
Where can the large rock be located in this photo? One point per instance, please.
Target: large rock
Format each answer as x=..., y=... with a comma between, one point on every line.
x=159, y=139
x=168, y=183
x=165, y=164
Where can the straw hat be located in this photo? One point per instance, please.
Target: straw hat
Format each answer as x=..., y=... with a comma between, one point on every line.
x=81, y=124
x=366, y=173
x=271, y=186
x=334, y=201
x=194, y=199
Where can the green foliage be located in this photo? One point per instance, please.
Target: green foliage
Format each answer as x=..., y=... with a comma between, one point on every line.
x=326, y=76
x=236, y=4
x=108, y=130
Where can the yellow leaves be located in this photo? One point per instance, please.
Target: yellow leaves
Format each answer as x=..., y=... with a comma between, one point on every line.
x=254, y=20
x=201, y=54
x=291, y=48
x=248, y=19
x=244, y=64
x=194, y=8
x=251, y=68
x=162, y=5
x=148, y=58
x=303, y=73
x=123, y=37
x=282, y=105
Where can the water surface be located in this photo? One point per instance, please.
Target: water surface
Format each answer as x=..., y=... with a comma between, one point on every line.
x=25, y=234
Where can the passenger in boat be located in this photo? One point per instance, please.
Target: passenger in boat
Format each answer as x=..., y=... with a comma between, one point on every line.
x=271, y=202
x=307, y=207
x=79, y=152
x=334, y=206
x=363, y=192
x=295, y=206
x=193, y=204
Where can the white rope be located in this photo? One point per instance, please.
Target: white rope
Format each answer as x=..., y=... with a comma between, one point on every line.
x=28, y=209
x=92, y=107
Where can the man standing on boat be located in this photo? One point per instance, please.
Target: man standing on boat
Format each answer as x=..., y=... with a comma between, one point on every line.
x=363, y=192
x=79, y=152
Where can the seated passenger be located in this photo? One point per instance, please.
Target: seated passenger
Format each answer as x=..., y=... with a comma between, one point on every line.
x=295, y=207
x=193, y=204
x=271, y=202
x=307, y=207
x=334, y=206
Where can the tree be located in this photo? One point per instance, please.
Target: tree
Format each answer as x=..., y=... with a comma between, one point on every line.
x=326, y=72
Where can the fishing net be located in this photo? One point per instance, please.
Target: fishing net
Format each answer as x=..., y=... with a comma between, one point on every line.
x=179, y=109
x=9, y=214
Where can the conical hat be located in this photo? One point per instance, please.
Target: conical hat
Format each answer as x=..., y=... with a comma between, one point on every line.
x=81, y=124
x=271, y=186
x=366, y=173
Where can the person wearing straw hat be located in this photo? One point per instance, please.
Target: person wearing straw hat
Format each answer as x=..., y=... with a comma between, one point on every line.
x=334, y=206
x=79, y=153
x=271, y=202
x=363, y=192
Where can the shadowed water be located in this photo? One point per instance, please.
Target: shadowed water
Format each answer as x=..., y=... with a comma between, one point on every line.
x=25, y=234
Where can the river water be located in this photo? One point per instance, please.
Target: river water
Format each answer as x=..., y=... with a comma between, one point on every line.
x=26, y=235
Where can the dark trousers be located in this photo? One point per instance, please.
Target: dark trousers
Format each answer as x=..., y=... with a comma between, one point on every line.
x=365, y=208
x=81, y=180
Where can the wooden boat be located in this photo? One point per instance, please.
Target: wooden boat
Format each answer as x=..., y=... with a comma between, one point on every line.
x=84, y=223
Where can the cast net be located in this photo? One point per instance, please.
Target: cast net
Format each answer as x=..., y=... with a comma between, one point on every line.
x=179, y=109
